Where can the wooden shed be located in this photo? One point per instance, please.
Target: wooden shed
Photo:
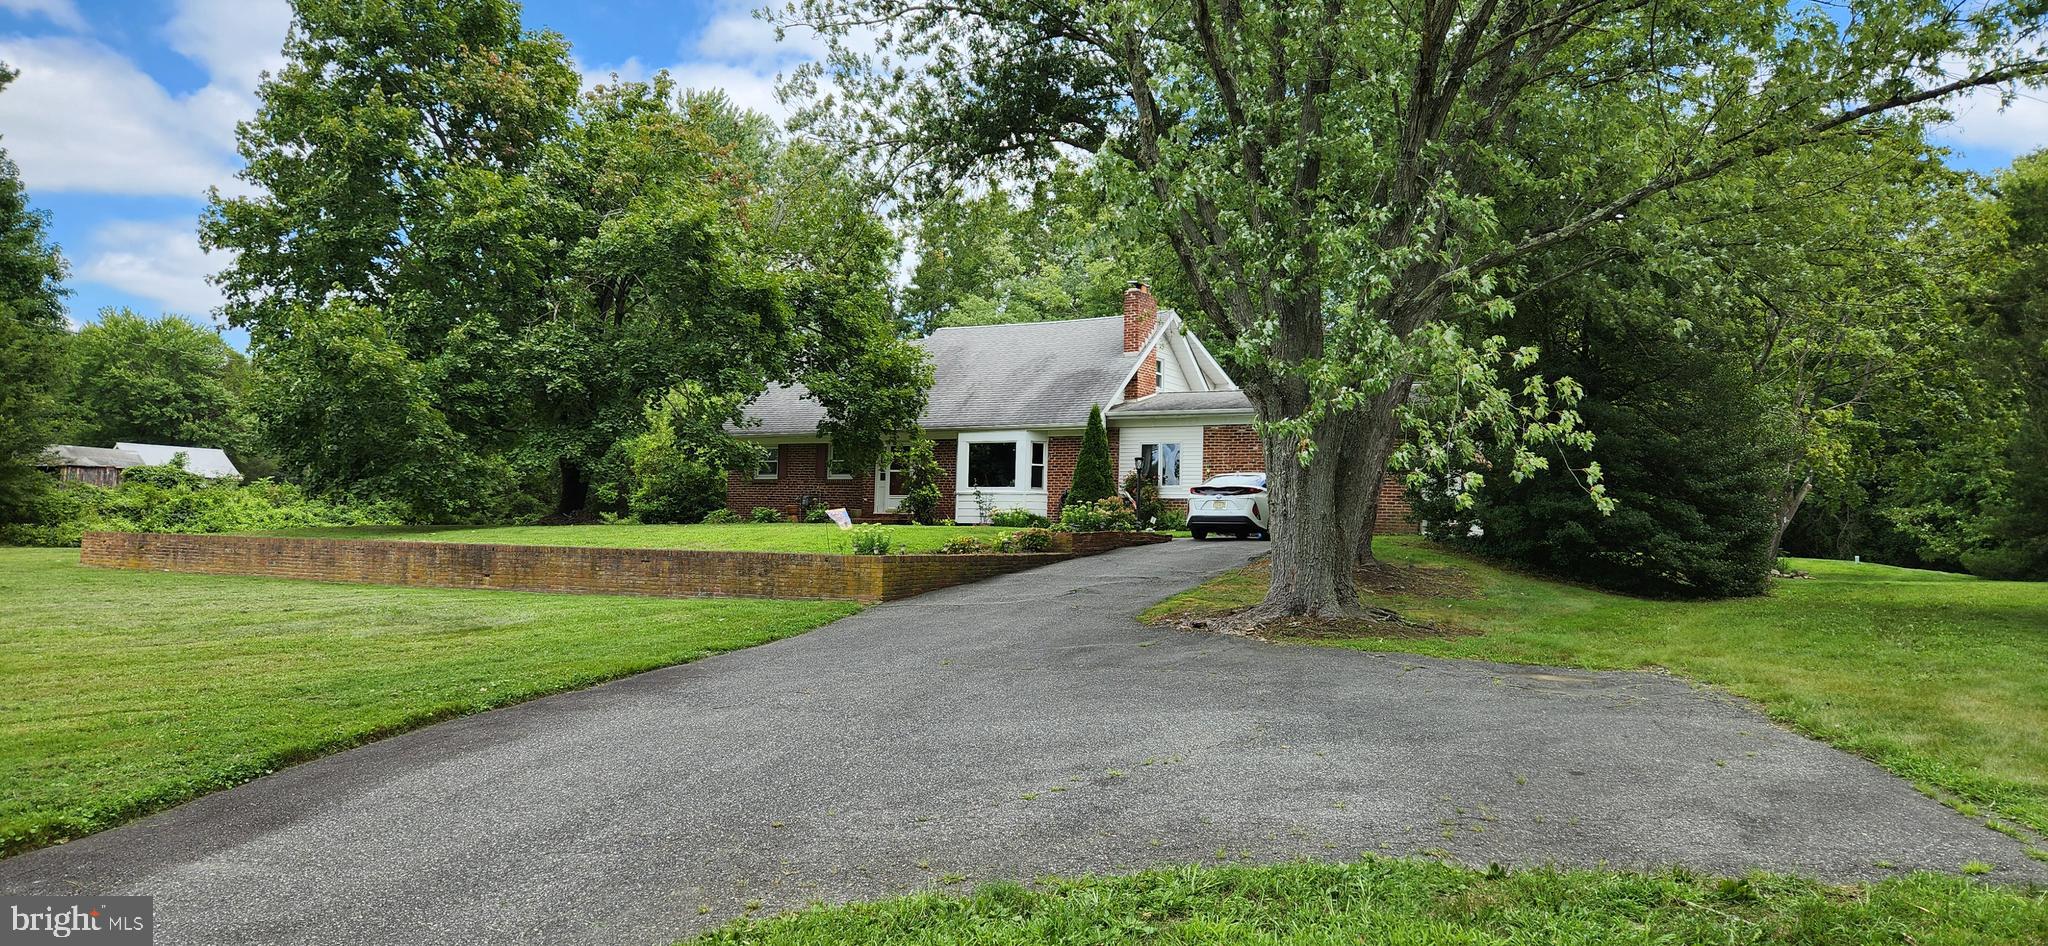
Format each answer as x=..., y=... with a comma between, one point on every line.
x=100, y=466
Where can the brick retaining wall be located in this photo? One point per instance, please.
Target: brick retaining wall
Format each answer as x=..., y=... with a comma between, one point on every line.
x=669, y=573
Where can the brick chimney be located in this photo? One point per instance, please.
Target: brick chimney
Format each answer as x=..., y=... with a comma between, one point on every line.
x=1141, y=313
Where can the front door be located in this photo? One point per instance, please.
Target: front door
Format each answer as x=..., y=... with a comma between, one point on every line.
x=891, y=485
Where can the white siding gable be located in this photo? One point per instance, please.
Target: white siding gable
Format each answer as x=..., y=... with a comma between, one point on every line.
x=1179, y=440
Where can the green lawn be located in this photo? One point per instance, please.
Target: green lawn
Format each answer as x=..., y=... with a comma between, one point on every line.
x=1941, y=678
x=122, y=692
x=1422, y=903
x=821, y=538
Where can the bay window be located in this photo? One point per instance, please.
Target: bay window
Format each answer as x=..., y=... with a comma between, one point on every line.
x=992, y=464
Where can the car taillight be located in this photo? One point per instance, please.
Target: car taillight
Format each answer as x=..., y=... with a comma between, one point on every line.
x=1224, y=490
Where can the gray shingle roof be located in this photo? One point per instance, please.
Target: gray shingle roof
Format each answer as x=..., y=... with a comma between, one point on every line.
x=1029, y=375
x=1185, y=402
x=64, y=454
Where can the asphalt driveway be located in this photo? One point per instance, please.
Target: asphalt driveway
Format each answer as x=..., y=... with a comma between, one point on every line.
x=1015, y=728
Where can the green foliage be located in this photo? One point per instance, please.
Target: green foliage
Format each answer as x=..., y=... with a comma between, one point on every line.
x=2019, y=545
x=1687, y=452
x=1353, y=190
x=344, y=407
x=31, y=339
x=1141, y=488
x=965, y=545
x=678, y=463
x=766, y=514
x=169, y=499
x=1171, y=520
x=1094, y=469
x=1102, y=515
x=720, y=517
x=1058, y=253
x=1018, y=518
x=921, y=494
x=816, y=514
x=162, y=381
x=870, y=540
x=1380, y=900
x=534, y=266
x=1026, y=540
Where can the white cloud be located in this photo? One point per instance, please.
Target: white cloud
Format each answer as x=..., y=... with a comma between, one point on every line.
x=63, y=13
x=234, y=40
x=157, y=260
x=736, y=35
x=1982, y=125
x=736, y=53
x=747, y=88
x=82, y=117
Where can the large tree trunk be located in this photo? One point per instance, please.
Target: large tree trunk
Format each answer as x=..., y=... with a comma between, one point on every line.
x=1317, y=510
x=575, y=495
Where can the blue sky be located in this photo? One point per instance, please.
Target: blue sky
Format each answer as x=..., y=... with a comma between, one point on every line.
x=124, y=114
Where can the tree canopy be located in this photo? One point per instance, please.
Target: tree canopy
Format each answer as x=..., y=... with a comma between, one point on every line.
x=162, y=381
x=31, y=333
x=459, y=271
x=1352, y=189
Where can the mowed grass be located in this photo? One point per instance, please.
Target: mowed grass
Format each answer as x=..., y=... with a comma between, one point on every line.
x=122, y=692
x=816, y=538
x=1940, y=678
x=1423, y=903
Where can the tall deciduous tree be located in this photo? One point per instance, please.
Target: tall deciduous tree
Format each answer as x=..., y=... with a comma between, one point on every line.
x=161, y=381
x=529, y=267
x=1344, y=182
x=1060, y=251
x=31, y=339
x=2019, y=546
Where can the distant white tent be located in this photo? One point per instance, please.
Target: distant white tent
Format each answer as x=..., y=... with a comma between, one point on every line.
x=205, y=461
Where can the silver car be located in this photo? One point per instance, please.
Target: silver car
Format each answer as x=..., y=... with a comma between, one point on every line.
x=1233, y=503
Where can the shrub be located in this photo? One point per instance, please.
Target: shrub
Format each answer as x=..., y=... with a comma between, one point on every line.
x=1686, y=450
x=718, y=517
x=1107, y=515
x=1026, y=540
x=169, y=499
x=1018, y=519
x=1094, y=471
x=871, y=540
x=921, y=495
x=1171, y=520
x=965, y=545
x=668, y=487
x=1142, y=486
x=764, y=514
x=816, y=514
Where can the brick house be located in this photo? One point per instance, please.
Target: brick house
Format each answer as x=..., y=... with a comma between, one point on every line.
x=1006, y=412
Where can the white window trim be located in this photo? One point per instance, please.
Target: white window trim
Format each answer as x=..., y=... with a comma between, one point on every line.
x=1180, y=453
x=1023, y=440
x=829, y=448
x=773, y=463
